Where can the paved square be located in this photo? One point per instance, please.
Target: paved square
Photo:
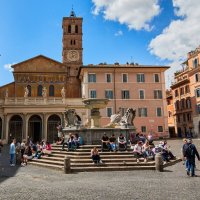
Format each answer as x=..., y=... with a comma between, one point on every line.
x=39, y=183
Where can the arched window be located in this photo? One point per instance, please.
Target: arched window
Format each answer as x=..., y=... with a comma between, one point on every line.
x=74, y=42
x=71, y=42
x=69, y=29
x=29, y=90
x=76, y=29
x=39, y=90
x=51, y=91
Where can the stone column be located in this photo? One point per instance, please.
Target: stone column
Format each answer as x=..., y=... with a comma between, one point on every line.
x=44, y=132
x=25, y=126
x=5, y=128
x=63, y=119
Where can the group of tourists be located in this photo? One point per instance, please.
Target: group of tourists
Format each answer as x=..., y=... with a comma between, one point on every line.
x=71, y=141
x=113, y=144
x=144, y=148
x=27, y=150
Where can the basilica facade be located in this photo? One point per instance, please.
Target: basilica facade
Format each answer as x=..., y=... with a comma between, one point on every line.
x=43, y=88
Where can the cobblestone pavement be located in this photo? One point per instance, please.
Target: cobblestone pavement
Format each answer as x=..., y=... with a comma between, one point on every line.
x=39, y=183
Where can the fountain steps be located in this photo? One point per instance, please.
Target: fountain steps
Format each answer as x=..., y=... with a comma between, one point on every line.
x=81, y=161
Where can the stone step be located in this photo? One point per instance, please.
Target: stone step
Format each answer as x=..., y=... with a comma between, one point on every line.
x=88, y=153
x=107, y=160
x=83, y=146
x=88, y=163
x=93, y=167
x=81, y=149
x=89, y=146
x=49, y=161
x=111, y=168
x=105, y=164
x=88, y=156
x=46, y=165
x=86, y=160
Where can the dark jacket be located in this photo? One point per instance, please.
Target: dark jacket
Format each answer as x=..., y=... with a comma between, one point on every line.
x=189, y=151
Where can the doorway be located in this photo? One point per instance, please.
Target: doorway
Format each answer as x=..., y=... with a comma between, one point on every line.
x=35, y=128
x=15, y=128
x=172, y=132
x=52, y=133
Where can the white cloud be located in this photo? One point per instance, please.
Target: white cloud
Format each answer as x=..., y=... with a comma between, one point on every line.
x=119, y=33
x=8, y=67
x=181, y=36
x=136, y=14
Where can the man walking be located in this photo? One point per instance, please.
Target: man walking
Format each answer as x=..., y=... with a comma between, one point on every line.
x=12, y=152
x=189, y=153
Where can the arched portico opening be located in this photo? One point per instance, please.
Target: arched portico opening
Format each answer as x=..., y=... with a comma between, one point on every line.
x=199, y=128
x=1, y=126
x=52, y=133
x=35, y=128
x=15, y=128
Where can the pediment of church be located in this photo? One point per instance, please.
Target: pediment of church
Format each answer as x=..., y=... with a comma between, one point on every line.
x=39, y=64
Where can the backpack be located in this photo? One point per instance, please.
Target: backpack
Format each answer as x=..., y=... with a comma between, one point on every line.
x=189, y=151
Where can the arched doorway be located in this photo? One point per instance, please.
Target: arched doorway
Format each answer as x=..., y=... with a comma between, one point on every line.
x=35, y=128
x=1, y=128
x=15, y=128
x=52, y=134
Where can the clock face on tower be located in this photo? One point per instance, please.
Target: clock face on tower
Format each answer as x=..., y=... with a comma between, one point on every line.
x=73, y=55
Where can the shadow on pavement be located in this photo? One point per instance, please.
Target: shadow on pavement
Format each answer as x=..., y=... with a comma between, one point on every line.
x=166, y=170
x=6, y=171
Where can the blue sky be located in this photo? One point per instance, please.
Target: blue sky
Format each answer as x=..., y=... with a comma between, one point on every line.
x=146, y=32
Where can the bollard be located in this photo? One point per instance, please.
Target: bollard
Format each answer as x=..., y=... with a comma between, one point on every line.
x=67, y=169
x=159, y=162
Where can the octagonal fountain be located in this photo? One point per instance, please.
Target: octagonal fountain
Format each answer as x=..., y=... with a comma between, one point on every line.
x=93, y=132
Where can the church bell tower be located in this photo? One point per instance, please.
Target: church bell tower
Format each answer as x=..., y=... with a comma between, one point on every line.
x=72, y=52
x=72, y=42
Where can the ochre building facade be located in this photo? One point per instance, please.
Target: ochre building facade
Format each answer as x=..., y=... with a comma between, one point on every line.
x=185, y=95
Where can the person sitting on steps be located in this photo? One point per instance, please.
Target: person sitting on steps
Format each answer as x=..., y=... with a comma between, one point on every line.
x=95, y=156
x=77, y=140
x=61, y=141
x=47, y=151
x=138, y=153
x=71, y=143
x=121, y=142
x=66, y=138
x=113, y=145
x=105, y=142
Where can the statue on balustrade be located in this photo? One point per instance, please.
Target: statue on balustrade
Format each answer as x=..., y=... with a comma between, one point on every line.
x=44, y=92
x=63, y=92
x=26, y=92
x=6, y=93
